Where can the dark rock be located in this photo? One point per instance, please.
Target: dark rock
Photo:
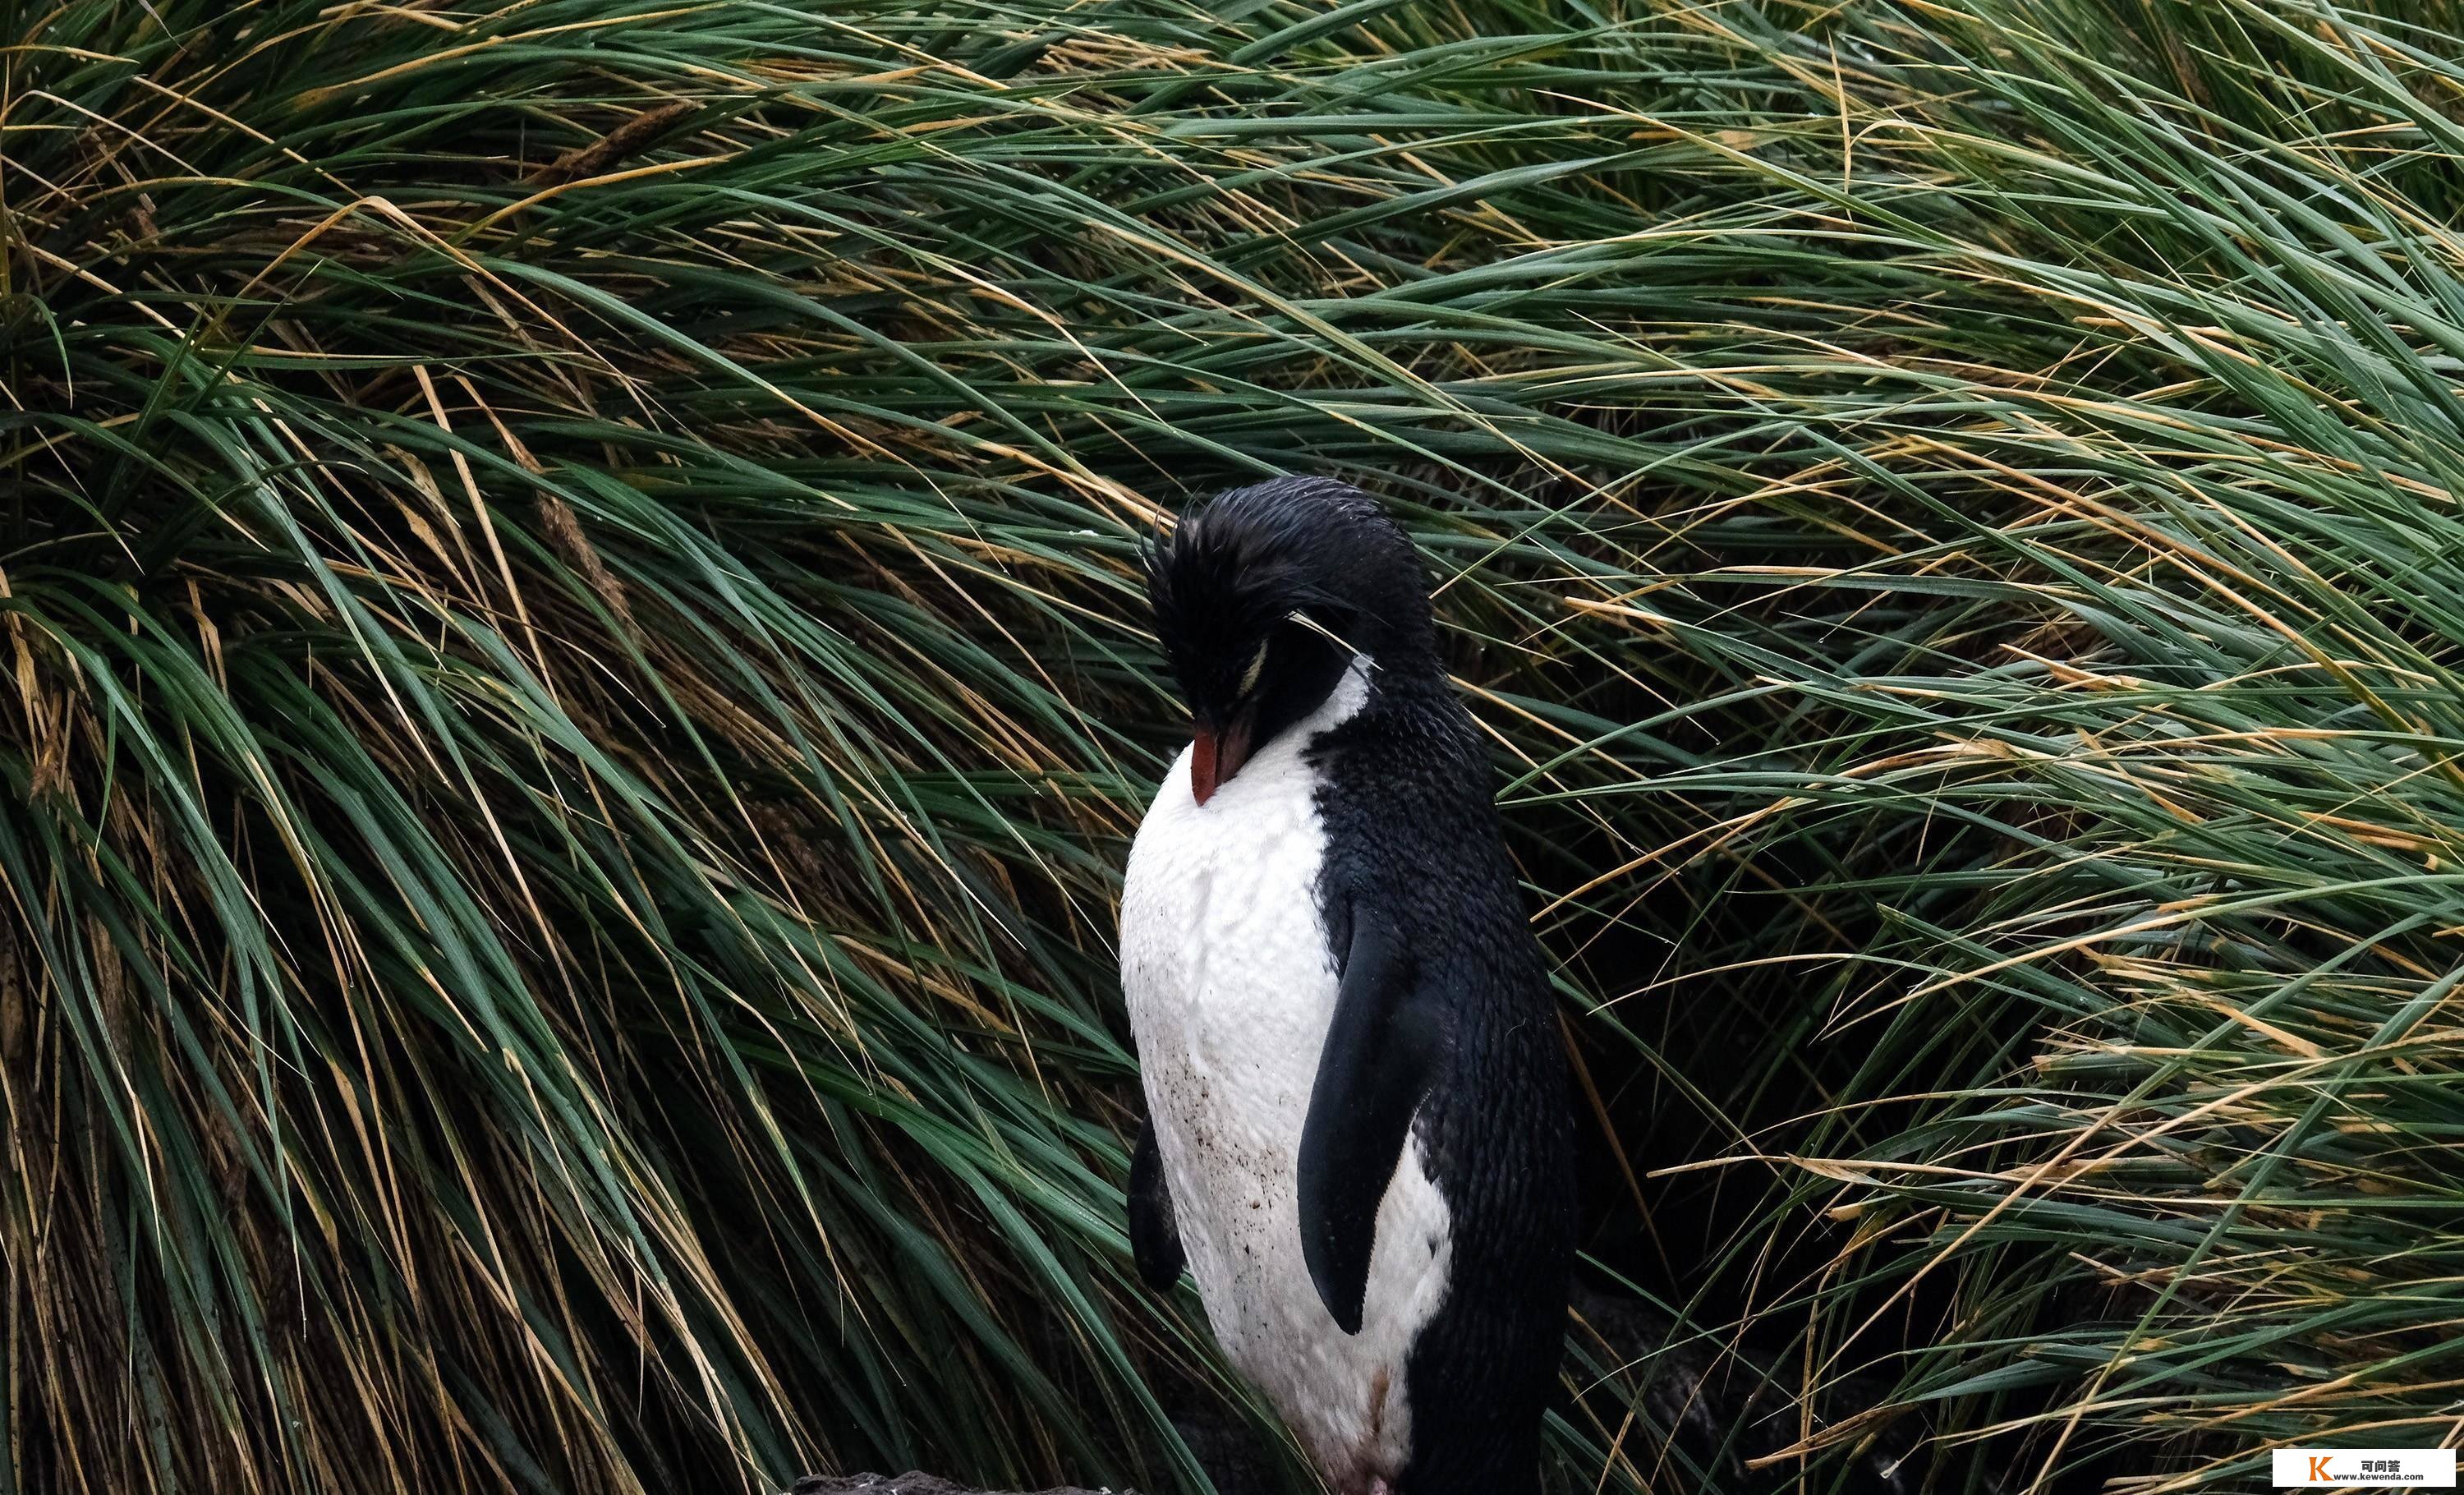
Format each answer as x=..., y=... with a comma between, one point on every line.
x=905, y=1485
x=1725, y=1405
x=1230, y=1451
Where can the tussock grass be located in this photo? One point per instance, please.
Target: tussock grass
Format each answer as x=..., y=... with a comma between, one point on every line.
x=574, y=701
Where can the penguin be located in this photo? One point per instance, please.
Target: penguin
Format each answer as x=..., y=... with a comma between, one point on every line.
x=1359, y=1131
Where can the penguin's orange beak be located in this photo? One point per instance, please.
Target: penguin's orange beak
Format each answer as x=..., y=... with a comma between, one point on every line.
x=1213, y=758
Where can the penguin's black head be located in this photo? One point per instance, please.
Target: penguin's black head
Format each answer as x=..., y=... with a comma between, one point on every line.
x=1262, y=599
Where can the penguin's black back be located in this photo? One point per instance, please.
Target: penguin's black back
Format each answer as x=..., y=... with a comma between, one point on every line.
x=1411, y=836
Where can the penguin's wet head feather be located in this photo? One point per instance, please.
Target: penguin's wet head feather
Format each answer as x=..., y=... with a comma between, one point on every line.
x=1266, y=594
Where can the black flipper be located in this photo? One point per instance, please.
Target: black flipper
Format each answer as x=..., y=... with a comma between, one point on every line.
x=1154, y=1237
x=1380, y=1053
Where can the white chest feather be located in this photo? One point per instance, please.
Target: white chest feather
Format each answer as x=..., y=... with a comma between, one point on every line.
x=1230, y=989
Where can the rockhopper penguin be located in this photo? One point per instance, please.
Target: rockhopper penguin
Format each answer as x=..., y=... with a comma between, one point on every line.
x=1360, y=1137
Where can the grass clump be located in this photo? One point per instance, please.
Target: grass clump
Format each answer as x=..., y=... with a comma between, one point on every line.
x=575, y=702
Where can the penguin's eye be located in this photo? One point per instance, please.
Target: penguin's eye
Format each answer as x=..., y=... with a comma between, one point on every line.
x=1257, y=668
